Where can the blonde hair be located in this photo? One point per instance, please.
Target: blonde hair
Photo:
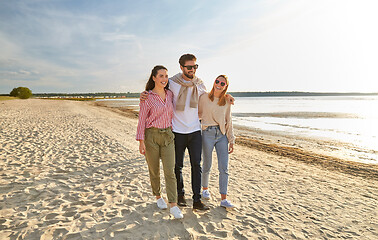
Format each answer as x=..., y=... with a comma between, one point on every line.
x=222, y=97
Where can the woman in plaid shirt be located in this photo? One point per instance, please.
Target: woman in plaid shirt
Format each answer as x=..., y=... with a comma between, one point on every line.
x=156, y=140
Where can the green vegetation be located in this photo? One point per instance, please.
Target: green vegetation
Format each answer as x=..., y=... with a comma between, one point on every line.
x=73, y=99
x=21, y=92
x=88, y=95
x=3, y=98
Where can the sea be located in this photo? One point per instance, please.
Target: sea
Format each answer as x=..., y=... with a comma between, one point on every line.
x=347, y=119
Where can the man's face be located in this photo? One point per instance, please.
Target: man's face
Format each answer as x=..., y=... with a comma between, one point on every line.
x=189, y=65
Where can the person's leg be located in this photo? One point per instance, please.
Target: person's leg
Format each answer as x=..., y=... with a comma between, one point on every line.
x=180, y=146
x=168, y=160
x=208, y=141
x=153, y=158
x=221, y=147
x=195, y=149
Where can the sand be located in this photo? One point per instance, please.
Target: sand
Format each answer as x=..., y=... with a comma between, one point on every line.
x=72, y=170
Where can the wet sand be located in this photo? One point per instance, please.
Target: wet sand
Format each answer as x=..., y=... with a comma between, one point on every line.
x=72, y=170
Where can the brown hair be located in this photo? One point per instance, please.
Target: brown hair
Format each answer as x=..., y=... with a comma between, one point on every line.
x=222, y=98
x=187, y=57
x=150, y=83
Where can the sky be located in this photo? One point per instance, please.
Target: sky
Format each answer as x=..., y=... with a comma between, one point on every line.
x=72, y=46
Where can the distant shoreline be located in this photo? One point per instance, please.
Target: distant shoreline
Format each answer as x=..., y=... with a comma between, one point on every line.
x=297, y=94
x=235, y=94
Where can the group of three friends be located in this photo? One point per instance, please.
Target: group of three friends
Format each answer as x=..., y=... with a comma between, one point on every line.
x=169, y=123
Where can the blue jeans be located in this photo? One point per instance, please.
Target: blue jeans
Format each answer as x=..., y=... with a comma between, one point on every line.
x=192, y=142
x=213, y=137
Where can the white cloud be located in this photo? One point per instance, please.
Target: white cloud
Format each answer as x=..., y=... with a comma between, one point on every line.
x=113, y=37
x=261, y=45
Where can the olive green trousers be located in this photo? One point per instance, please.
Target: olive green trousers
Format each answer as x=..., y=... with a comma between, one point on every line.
x=160, y=145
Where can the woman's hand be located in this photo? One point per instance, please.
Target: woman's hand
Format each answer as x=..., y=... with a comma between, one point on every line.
x=142, y=147
x=231, y=148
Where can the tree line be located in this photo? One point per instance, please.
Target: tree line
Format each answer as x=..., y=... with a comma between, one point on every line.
x=24, y=93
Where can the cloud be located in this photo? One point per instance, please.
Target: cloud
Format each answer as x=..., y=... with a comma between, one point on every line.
x=80, y=46
x=61, y=42
x=117, y=37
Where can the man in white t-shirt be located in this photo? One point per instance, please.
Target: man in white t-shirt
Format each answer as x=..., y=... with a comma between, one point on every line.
x=187, y=88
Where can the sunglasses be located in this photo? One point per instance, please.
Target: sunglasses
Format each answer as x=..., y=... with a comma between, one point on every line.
x=222, y=83
x=190, y=67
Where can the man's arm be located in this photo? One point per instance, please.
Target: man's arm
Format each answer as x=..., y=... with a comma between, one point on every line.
x=201, y=89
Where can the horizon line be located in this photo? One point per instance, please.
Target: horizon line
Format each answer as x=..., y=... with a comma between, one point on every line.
x=237, y=92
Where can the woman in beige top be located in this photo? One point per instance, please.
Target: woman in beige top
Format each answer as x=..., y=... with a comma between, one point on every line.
x=215, y=115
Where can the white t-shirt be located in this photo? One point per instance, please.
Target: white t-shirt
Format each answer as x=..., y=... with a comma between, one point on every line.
x=186, y=121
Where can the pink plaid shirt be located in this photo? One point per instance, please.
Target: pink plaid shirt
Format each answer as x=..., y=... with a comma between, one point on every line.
x=154, y=112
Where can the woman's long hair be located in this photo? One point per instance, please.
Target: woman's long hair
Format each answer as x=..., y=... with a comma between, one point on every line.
x=150, y=83
x=222, y=97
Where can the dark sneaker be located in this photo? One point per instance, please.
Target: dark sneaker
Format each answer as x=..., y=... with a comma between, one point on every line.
x=200, y=206
x=181, y=201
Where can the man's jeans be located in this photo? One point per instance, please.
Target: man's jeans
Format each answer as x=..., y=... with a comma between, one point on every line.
x=193, y=142
x=213, y=137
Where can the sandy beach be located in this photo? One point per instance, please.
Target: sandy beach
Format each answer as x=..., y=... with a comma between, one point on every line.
x=72, y=170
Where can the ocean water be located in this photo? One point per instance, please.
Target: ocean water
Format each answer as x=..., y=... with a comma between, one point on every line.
x=348, y=119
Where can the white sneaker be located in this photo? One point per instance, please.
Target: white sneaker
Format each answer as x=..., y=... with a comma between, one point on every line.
x=161, y=203
x=176, y=212
x=206, y=194
x=226, y=204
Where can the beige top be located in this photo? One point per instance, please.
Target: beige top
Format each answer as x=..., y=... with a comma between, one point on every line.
x=211, y=114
